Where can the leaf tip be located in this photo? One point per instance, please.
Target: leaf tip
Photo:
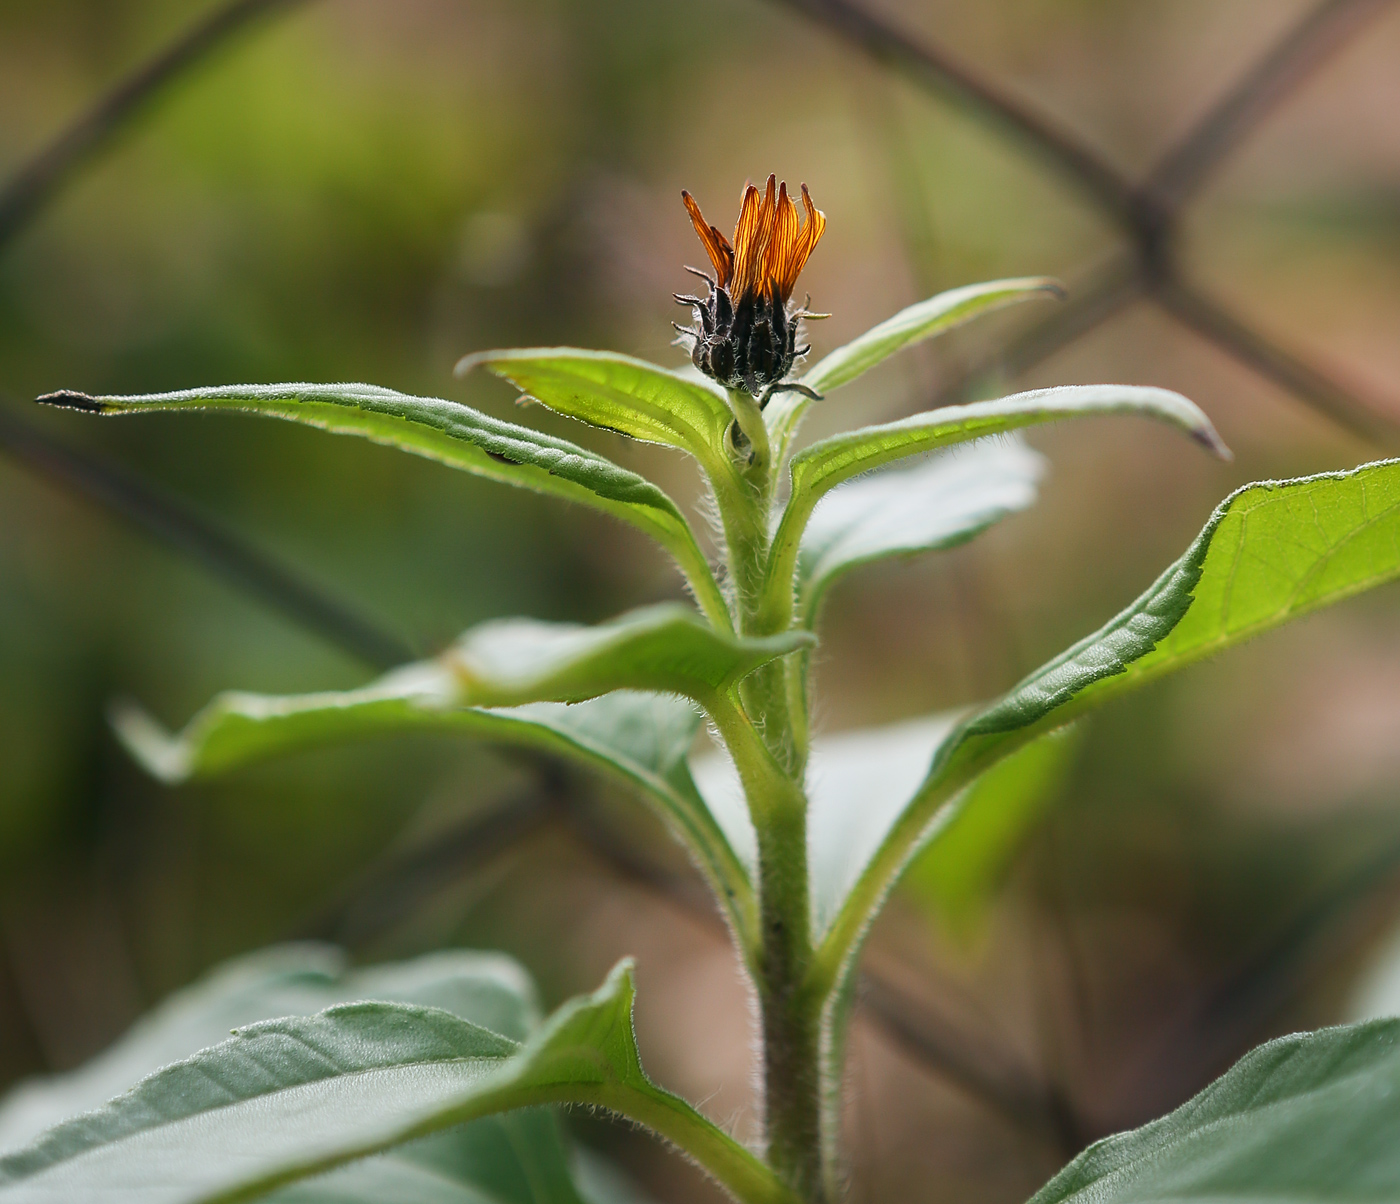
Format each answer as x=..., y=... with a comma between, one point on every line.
x=1209, y=438
x=620, y=984
x=68, y=399
x=162, y=755
x=469, y=363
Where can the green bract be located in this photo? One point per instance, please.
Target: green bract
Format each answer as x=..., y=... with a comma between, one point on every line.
x=800, y=838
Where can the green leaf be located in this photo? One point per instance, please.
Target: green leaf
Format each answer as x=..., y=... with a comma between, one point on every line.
x=619, y=393
x=826, y=464
x=943, y=502
x=1315, y=1116
x=924, y=320
x=1270, y=552
x=666, y=648
x=488, y=989
x=284, y=1099
x=461, y=437
x=957, y=873
x=640, y=738
x=519, y=1158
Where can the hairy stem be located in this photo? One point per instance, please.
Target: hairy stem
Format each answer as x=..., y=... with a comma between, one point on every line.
x=791, y=1011
x=769, y=751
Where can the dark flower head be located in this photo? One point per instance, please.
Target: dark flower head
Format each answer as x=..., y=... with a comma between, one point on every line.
x=745, y=333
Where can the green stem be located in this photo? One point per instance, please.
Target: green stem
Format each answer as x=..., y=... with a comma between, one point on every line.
x=791, y=1011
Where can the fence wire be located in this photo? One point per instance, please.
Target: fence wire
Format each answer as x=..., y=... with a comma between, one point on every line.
x=1148, y=212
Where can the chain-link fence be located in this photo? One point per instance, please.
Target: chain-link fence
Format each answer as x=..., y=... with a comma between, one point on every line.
x=1148, y=214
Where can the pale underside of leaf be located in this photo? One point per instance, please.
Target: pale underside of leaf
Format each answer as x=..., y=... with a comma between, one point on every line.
x=456, y=435
x=1311, y=1117
x=945, y=501
x=1270, y=552
x=857, y=782
x=287, y=1098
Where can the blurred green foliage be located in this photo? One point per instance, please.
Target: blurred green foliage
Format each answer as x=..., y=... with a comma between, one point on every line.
x=366, y=191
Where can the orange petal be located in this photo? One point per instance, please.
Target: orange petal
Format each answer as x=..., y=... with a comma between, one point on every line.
x=804, y=245
x=751, y=237
x=721, y=256
x=782, y=246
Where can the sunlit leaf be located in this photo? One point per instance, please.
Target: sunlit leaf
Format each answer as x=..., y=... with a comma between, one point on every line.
x=618, y=393
x=821, y=467
x=288, y=1098
x=461, y=437
x=1270, y=552
x=937, y=504
x=1315, y=1116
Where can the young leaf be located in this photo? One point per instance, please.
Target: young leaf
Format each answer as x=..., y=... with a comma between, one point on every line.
x=1315, y=1116
x=488, y=989
x=619, y=393
x=943, y=502
x=922, y=321
x=461, y=437
x=666, y=648
x=826, y=464
x=1270, y=552
x=641, y=738
x=289, y=1098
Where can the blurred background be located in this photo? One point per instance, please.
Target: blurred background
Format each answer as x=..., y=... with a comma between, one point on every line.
x=350, y=190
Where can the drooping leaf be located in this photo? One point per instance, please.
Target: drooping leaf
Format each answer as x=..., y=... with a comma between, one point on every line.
x=938, y=504
x=921, y=321
x=288, y=1098
x=641, y=738
x=1315, y=1116
x=824, y=465
x=1270, y=552
x=488, y=989
x=859, y=781
x=918, y=322
x=618, y=393
x=461, y=437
